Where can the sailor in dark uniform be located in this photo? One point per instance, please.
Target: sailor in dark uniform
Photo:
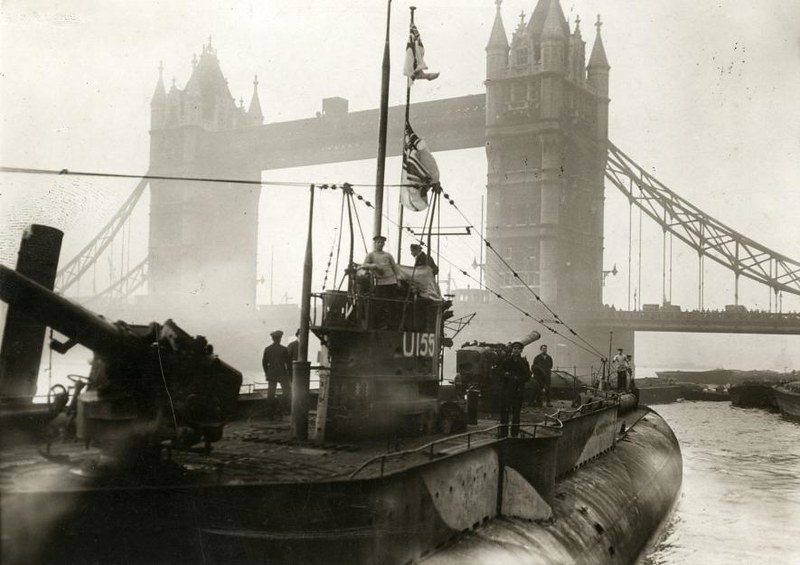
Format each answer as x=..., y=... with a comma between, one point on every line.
x=278, y=369
x=422, y=259
x=294, y=347
x=542, y=371
x=516, y=372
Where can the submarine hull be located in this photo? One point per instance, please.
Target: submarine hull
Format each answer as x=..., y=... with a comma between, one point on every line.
x=607, y=511
x=583, y=494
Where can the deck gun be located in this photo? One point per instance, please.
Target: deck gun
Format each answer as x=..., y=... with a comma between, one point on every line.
x=148, y=384
x=478, y=366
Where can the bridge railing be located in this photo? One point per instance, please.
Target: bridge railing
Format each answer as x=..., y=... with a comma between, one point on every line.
x=788, y=318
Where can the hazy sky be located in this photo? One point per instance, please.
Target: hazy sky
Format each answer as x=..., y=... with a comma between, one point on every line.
x=704, y=94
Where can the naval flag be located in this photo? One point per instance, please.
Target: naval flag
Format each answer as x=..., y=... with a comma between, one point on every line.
x=415, y=66
x=420, y=172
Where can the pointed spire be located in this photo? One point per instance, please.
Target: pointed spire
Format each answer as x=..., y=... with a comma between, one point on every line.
x=160, y=93
x=554, y=22
x=598, y=58
x=254, y=113
x=498, y=39
x=577, y=32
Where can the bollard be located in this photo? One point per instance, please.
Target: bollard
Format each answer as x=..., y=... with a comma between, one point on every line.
x=473, y=396
x=301, y=371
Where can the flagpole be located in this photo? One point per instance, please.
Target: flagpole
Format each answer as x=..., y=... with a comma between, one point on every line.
x=376, y=230
x=399, y=195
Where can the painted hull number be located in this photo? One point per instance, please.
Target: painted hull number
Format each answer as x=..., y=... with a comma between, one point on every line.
x=418, y=344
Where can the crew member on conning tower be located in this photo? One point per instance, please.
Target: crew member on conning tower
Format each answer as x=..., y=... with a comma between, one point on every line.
x=422, y=259
x=384, y=268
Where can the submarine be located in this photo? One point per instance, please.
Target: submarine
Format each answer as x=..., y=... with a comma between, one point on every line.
x=149, y=459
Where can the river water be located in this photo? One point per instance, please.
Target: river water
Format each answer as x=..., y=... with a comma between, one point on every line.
x=740, y=501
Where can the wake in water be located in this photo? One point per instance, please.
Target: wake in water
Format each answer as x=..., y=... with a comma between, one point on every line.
x=741, y=487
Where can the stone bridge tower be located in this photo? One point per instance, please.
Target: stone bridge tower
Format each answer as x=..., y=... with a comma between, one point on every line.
x=203, y=236
x=546, y=128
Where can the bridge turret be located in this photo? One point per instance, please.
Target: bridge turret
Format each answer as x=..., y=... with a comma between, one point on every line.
x=158, y=103
x=577, y=54
x=555, y=36
x=497, y=48
x=173, y=106
x=254, y=115
x=598, y=72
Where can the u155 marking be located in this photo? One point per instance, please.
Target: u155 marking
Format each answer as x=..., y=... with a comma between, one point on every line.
x=418, y=344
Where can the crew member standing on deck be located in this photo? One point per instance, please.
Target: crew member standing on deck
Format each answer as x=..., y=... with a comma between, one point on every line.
x=631, y=371
x=542, y=372
x=620, y=365
x=386, y=273
x=422, y=259
x=278, y=369
x=516, y=372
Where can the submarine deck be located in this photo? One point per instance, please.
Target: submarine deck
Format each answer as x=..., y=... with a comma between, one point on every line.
x=258, y=451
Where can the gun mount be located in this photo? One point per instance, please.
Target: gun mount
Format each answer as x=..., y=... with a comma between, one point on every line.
x=478, y=365
x=148, y=384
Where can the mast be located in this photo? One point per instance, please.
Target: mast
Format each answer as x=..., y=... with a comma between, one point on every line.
x=376, y=230
x=301, y=368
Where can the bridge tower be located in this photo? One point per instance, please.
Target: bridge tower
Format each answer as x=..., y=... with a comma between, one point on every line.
x=203, y=236
x=546, y=128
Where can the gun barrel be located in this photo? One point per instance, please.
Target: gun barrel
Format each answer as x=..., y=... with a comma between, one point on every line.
x=64, y=316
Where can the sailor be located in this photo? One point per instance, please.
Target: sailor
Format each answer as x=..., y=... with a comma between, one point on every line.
x=516, y=373
x=384, y=269
x=631, y=370
x=422, y=259
x=294, y=346
x=542, y=371
x=619, y=364
x=278, y=369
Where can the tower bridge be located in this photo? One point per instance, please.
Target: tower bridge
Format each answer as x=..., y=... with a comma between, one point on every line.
x=543, y=122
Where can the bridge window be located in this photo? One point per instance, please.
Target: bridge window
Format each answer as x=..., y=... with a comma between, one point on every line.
x=537, y=53
x=522, y=57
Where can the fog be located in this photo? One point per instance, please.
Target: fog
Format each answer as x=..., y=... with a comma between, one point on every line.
x=704, y=95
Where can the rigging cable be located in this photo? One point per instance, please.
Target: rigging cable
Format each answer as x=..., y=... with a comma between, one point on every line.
x=520, y=279
x=34, y=171
x=339, y=244
x=498, y=295
x=166, y=388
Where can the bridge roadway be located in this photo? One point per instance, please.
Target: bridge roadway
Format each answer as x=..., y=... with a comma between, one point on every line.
x=693, y=321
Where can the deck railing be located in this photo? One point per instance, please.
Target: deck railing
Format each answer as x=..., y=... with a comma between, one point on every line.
x=429, y=449
x=525, y=430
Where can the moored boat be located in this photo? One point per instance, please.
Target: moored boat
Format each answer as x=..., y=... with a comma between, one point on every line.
x=753, y=395
x=788, y=398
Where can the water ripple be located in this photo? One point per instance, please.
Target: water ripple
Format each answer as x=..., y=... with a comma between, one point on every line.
x=740, y=501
